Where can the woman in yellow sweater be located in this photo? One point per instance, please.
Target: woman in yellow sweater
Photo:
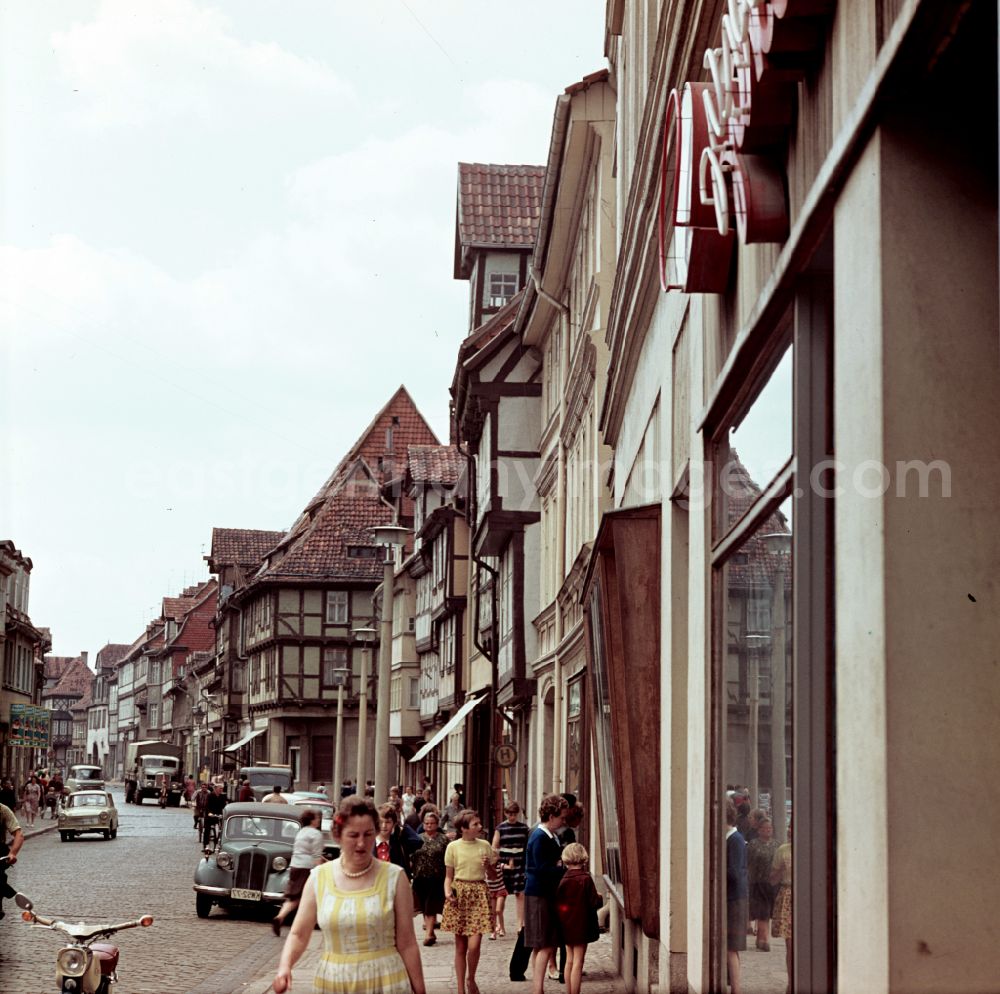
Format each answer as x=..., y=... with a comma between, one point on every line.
x=467, y=908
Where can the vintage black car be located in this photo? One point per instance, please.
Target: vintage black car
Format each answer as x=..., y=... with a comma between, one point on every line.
x=250, y=864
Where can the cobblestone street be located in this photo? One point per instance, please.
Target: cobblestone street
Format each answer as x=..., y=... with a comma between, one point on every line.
x=148, y=868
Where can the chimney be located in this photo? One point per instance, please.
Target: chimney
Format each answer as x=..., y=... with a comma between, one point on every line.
x=83, y=656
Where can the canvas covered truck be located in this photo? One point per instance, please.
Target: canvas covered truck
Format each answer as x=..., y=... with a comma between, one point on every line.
x=150, y=766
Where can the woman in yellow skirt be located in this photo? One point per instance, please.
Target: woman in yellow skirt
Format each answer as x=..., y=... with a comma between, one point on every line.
x=467, y=907
x=365, y=911
x=781, y=926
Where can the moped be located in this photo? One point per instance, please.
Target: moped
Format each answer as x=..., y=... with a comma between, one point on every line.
x=83, y=965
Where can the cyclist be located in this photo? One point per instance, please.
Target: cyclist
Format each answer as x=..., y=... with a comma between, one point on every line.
x=214, y=807
x=200, y=800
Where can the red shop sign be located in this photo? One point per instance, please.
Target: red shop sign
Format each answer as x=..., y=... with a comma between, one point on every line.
x=728, y=136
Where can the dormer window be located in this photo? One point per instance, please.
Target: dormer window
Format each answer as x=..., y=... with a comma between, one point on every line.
x=503, y=286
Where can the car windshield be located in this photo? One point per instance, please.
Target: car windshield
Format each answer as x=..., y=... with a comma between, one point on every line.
x=87, y=801
x=267, y=778
x=160, y=762
x=260, y=827
x=87, y=773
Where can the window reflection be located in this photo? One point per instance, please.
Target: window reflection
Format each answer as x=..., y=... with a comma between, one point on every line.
x=757, y=730
x=763, y=438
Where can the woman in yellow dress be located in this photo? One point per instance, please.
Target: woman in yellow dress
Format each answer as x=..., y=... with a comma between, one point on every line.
x=365, y=910
x=781, y=876
x=467, y=907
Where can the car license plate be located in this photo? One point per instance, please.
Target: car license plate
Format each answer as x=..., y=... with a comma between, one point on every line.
x=242, y=894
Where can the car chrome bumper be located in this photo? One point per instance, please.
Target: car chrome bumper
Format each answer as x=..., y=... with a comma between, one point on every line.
x=224, y=892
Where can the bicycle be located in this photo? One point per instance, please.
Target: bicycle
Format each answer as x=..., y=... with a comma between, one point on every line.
x=210, y=837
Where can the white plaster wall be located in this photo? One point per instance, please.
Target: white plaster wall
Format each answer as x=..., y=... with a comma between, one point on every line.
x=520, y=419
x=532, y=588
x=698, y=700
x=651, y=377
x=862, y=863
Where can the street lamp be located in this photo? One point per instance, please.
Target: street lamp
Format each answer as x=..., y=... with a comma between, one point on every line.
x=341, y=677
x=366, y=636
x=755, y=644
x=779, y=545
x=390, y=536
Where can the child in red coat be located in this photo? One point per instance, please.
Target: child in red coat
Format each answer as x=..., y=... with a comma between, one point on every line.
x=577, y=902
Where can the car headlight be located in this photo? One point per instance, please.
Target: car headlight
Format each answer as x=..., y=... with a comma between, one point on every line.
x=73, y=962
x=104, y=816
x=223, y=861
x=279, y=864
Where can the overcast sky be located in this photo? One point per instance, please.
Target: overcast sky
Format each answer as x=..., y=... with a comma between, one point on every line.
x=226, y=237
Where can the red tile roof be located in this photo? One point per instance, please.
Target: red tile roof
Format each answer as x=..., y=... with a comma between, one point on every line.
x=498, y=208
x=343, y=518
x=196, y=632
x=84, y=702
x=111, y=654
x=408, y=428
x=56, y=666
x=759, y=567
x=176, y=607
x=435, y=464
x=242, y=546
x=75, y=681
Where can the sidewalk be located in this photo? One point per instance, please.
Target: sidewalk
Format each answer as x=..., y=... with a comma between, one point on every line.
x=439, y=971
x=42, y=825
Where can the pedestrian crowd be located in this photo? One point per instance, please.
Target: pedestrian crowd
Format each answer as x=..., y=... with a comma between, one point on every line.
x=407, y=858
x=758, y=883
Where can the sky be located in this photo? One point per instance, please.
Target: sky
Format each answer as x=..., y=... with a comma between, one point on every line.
x=226, y=238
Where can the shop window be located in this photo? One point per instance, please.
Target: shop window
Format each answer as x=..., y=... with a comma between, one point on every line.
x=576, y=764
x=770, y=680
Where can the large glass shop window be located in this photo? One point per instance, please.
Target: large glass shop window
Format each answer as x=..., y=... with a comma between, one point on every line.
x=752, y=687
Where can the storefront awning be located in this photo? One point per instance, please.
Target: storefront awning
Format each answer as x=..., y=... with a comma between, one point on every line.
x=453, y=722
x=246, y=738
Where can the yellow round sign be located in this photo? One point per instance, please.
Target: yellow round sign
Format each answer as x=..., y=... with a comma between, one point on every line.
x=505, y=755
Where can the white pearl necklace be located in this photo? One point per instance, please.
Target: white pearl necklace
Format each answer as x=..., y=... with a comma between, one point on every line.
x=360, y=873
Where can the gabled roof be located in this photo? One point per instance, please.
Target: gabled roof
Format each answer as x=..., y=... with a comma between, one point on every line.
x=111, y=654
x=176, y=607
x=435, y=464
x=344, y=519
x=498, y=208
x=400, y=414
x=85, y=702
x=195, y=632
x=241, y=546
x=758, y=567
x=56, y=666
x=75, y=681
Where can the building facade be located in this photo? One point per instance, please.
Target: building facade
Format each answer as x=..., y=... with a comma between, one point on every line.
x=299, y=611
x=23, y=646
x=803, y=353
x=99, y=735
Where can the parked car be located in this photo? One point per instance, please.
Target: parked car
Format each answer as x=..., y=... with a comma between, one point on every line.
x=84, y=777
x=88, y=811
x=250, y=864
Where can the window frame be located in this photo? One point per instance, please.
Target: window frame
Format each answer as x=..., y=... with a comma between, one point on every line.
x=333, y=602
x=806, y=324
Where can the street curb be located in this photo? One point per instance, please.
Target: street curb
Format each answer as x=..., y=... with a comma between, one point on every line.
x=39, y=831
